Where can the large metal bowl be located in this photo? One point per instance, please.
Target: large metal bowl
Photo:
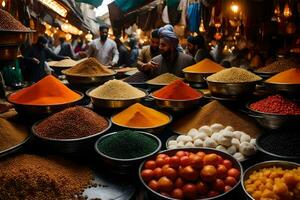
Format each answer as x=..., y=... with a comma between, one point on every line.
x=78, y=145
x=273, y=121
x=154, y=130
x=196, y=77
x=225, y=196
x=233, y=90
x=267, y=164
x=15, y=148
x=283, y=88
x=113, y=104
x=176, y=105
x=37, y=111
x=265, y=75
x=125, y=166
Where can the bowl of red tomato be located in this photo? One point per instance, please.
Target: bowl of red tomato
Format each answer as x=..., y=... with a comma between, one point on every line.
x=190, y=173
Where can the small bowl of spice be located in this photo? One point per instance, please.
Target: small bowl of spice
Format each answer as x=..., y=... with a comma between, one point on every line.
x=71, y=130
x=275, y=111
x=122, y=152
x=232, y=83
x=177, y=96
x=115, y=94
x=139, y=117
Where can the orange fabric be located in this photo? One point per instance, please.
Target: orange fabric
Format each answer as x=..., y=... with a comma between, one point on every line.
x=204, y=66
x=177, y=90
x=291, y=76
x=48, y=91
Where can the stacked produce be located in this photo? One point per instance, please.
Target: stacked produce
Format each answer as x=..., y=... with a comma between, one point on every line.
x=204, y=66
x=9, y=23
x=236, y=143
x=233, y=75
x=11, y=134
x=127, y=144
x=34, y=177
x=177, y=90
x=276, y=104
x=278, y=66
x=163, y=79
x=291, y=76
x=48, y=91
x=116, y=89
x=89, y=67
x=274, y=183
x=187, y=175
x=215, y=112
x=139, y=116
x=71, y=123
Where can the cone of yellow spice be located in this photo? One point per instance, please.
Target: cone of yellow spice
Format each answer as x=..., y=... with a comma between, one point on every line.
x=204, y=66
x=291, y=76
x=139, y=116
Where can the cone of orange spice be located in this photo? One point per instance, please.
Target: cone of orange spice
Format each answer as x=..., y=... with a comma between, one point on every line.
x=204, y=66
x=291, y=76
x=48, y=91
x=177, y=90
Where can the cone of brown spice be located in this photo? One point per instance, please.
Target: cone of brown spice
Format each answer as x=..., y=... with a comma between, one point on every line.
x=9, y=23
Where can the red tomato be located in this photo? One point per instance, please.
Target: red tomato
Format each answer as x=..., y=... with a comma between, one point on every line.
x=177, y=193
x=227, y=164
x=180, y=153
x=165, y=184
x=208, y=173
x=150, y=164
x=230, y=181
x=201, y=154
x=221, y=171
x=190, y=191
x=219, y=185
x=220, y=160
x=170, y=173
x=210, y=159
x=202, y=188
x=157, y=173
x=147, y=175
x=165, y=166
x=212, y=193
x=174, y=162
x=179, y=183
x=234, y=173
x=153, y=184
x=185, y=161
x=227, y=188
x=162, y=155
x=160, y=162
x=189, y=173
x=196, y=161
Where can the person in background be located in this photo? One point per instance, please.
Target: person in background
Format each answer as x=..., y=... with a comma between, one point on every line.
x=134, y=52
x=123, y=53
x=104, y=49
x=196, y=47
x=79, y=47
x=150, y=51
x=169, y=27
x=170, y=60
x=66, y=49
x=36, y=56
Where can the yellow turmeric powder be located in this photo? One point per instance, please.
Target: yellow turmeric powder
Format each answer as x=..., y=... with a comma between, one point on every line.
x=204, y=66
x=139, y=116
x=291, y=76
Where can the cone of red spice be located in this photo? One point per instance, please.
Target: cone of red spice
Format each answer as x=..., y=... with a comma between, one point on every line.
x=177, y=90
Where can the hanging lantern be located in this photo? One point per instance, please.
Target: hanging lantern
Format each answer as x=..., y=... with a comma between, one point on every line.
x=287, y=12
x=234, y=8
x=201, y=27
x=277, y=10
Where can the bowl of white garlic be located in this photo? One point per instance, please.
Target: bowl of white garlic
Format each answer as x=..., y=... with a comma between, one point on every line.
x=224, y=138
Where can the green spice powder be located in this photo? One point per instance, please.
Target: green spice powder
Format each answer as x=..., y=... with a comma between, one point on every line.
x=127, y=144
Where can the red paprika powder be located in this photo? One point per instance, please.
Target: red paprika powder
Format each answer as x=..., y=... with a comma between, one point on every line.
x=177, y=90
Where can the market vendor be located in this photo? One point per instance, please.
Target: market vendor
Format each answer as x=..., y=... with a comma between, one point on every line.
x=196, y=47
x=170, y=60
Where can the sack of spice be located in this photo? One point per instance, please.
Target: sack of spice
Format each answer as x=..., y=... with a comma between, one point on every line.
x=204, y=66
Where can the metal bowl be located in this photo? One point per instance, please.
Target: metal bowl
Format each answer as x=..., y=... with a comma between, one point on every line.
x=233, y=90
x=15, y=148
x=196, y=77
x=265, y=75
x=42, y=110
x=113, y=104
x=267, y=164
x=154, y=130
x=224, y=196
x=176, y=105
x=283, y=88
x=272, y=121
x=77, y=145
x=125, y=166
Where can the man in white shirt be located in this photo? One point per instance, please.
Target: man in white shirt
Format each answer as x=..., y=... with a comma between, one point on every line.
x=104, y=49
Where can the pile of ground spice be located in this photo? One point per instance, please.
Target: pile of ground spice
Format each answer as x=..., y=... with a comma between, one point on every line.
x=163, y=79
x=89, y=67
x=37, y=178
x=291, y=76
x=127, y=144
x=204, y=66
x=48, y=91
x=278, y=66
x=138, y=77
x=177, y=90
x=139, y=116
x=9, y=23
x=215, y=112
x=63, y=63
x=276, y=104
x=71, y=123
x=116, y=89
x=233, y=75
x=11, y=134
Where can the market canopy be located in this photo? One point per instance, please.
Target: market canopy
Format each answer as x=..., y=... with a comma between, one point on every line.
x=95, y=3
